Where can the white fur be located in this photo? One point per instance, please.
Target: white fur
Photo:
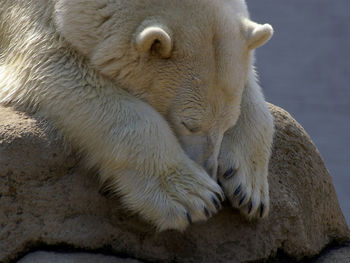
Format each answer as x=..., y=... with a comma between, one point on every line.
x=169, y=79
x=246, y=147
x=152, y=36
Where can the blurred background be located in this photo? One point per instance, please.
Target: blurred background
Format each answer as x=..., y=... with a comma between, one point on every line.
x=305, y=69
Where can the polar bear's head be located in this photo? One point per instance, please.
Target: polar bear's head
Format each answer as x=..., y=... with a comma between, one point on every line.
x=189, y=59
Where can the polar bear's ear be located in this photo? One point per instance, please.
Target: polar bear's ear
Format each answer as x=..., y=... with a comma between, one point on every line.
x=154, y=39
x=257, y=34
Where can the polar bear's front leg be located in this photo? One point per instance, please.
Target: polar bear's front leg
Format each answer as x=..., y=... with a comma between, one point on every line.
x=172, y=194
x=245, y=154
x=140, y=159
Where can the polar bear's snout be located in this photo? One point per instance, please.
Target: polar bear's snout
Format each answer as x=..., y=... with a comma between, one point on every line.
x=204, y=150
x=211, y=166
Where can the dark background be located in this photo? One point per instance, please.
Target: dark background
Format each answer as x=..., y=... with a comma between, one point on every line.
x=305, y=69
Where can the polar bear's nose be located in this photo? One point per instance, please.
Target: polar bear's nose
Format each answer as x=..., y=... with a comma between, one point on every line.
x=211, y=166
x=204, y=150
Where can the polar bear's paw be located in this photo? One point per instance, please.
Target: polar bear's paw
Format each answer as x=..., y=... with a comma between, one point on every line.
x=187, y=195
x=244, y=182
x=182, y=195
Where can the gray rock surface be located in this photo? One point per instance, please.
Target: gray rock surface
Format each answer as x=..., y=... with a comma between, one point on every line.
x=334, y=255
x=48, y=201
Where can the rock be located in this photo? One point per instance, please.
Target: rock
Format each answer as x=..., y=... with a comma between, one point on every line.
x=49, y=202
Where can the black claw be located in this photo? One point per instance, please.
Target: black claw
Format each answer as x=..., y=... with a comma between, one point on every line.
x=250, y=207
x=219, y=183
x=242, y=200
x=216, y=203
x=220, y=197
x=262, y=208
x=189, y=218
x=229, y=173
x=238, y=190
x=206, y=212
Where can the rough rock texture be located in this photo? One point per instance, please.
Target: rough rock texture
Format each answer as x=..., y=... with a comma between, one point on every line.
x=48, y=202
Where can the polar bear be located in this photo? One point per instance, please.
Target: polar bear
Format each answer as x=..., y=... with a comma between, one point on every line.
x=161, y=95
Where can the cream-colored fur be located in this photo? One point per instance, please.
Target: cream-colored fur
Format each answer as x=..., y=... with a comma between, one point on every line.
x=174, y=82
